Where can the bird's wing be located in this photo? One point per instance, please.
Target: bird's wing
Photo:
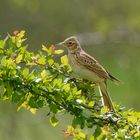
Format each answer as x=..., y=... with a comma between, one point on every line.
x=90, y=63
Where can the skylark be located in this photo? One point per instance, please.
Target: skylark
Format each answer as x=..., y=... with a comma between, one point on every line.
x=88, y=68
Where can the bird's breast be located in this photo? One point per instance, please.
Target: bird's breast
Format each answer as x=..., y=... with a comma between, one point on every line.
x=82, y=71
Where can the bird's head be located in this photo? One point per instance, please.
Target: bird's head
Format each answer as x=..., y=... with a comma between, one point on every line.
x=70, y=43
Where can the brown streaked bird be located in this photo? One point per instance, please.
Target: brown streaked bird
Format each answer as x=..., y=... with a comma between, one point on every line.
x=88, y=68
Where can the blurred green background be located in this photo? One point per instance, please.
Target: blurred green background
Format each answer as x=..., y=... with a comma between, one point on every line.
x=108, y=30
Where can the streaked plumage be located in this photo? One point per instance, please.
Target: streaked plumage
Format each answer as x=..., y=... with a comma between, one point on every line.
x=88, y=68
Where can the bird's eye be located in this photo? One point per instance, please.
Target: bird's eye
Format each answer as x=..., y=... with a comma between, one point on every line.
x=70, y=43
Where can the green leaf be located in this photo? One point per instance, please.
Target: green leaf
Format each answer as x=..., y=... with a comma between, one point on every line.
x=49, y=51
x=3, y=61
x=57, y=83
x=17, y=96
x=10, y=63
x=54, y=121
x=12, y=44
x=40, y=103
x=92, y=138
x=104, y=110
x=53, y=108
x=44, y=48
x=2, y=43
x=132, y=119
x=137, y=134
x=58, y=51
x=43, y=74
x=78, y=92
x=48, y=84
x=21, y=34
x=50, y=62
x=64, y=60
x=79, y=135
x=8, y=92
x=97, y=131
x=25, y=72
x=79, y=120
x=91, y=103
x=33, y=102
x=42, y=61
x=19, y=58
x=31, y=76
x=66, y=87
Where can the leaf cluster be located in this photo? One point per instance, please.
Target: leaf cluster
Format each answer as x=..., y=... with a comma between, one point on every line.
x=35, y=81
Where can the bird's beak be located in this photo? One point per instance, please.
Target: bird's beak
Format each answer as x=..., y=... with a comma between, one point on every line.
x=61, y=44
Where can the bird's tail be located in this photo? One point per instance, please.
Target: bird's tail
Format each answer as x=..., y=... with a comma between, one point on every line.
x=106, y=100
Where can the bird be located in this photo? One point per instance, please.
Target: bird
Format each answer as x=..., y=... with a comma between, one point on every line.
x=87, y=67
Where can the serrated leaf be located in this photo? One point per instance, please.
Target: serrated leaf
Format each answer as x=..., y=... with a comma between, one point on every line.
x=92, y=138
x=2, y=43
x=31, y=76
x=24, y=104
x=32, y=102
x=54, y=121
x=19, y=58
x=42, y=61
x=70, y=129
x=104, y=110
x=78, y=92
x=97, y=132
x=49, y=50
x=57, y=82
x=78, y=120
x=74, y=90
x=137, y=134
x=8, y=92
x=17, y=97
x=10, y=63
x=66, y=87
x=79, y=134
x=21, y=34
x=132, y=119
x=43, y=74
x=3, y=61
x=40, y=103
x=25, y=72
x=91, y=103
x=96, y=115
x=33, y=110
x=44, y=48
x=58, y=51
x=50, y=62
x=64, y=60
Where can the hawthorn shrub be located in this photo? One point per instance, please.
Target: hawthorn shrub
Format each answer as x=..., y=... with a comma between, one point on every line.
x=35, y=81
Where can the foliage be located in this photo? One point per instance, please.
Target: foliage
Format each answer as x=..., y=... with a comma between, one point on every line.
x=111, y=29
x=34, y=81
